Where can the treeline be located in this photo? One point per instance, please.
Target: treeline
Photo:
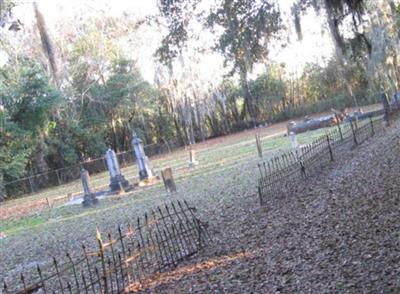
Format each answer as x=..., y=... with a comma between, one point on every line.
x=43, y=128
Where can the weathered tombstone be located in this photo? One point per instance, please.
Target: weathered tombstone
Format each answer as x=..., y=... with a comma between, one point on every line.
x=117, y=180
x=89, y=198
x=192, y=157
x=168, y=179
x=258, y=144
x=145, y=170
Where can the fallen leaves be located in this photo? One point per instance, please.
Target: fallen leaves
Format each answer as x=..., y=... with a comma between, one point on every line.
x=339, y=233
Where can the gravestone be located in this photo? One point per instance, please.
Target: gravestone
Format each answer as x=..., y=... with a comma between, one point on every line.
x=192, y=158
x=117, y=180
x=89, y=198
x=168, y=179
x=143, y=162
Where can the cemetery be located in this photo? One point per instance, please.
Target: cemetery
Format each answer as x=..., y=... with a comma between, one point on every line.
x=227, y=201
x=199, y=147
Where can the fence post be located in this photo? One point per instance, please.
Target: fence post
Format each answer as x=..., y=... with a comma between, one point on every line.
x=260, y=195
x=49, y=206
x=303, y=170
x=329, y=147
x=31, y=184
x=339, y=128
x=354, y=133
x=258, y=144
x=372, y=126
x=103, y=263
x=58, y=177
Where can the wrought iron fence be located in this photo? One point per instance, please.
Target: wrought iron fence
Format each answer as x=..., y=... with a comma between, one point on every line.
x=154, y=243
x=282, y=174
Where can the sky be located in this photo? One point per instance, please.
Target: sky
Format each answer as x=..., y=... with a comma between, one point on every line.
x=316, y=46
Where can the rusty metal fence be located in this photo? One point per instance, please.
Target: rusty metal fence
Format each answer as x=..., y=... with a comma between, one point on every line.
x=37, y=182
x=153, y=244
x=282, y=174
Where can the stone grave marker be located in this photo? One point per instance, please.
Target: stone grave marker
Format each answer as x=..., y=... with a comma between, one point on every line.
x=117, y=180
x=89, y=198
x=143, y=162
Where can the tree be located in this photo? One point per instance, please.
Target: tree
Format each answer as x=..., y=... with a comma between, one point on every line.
x=247, y=27
x=30, y=103
x=14, y=151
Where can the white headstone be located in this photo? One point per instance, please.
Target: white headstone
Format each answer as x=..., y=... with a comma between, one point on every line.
x=112, y=163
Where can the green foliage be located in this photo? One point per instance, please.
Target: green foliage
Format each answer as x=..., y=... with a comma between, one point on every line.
x=14, y=150
x=177, y=15
x=269, y=90
x=34, y=101
x=28, y=116
x=247, y=28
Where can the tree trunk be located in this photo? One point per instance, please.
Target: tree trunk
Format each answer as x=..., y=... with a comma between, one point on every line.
x=191, y=133
x=179, y=132
x=200, y=122
x=340, y=52
x=224, y=117
x=396, y=71
x=248, y=98
x=114, y=135
x=3, y=194
x=40, y=162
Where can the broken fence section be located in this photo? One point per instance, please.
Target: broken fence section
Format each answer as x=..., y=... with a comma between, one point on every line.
x=150, y=245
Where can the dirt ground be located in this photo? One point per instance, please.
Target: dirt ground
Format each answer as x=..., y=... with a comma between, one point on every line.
x=339, y=234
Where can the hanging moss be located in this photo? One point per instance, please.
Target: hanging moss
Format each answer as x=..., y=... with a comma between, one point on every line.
x=46, y=41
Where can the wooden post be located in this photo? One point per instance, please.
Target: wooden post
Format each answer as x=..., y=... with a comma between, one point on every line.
x=258, y=144
x=31, y=184
x=102, y=259
x=58, y=178
x=49, y=206
x=168, y=179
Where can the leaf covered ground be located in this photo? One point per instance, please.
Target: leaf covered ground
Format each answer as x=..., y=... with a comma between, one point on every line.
x=339, y=233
